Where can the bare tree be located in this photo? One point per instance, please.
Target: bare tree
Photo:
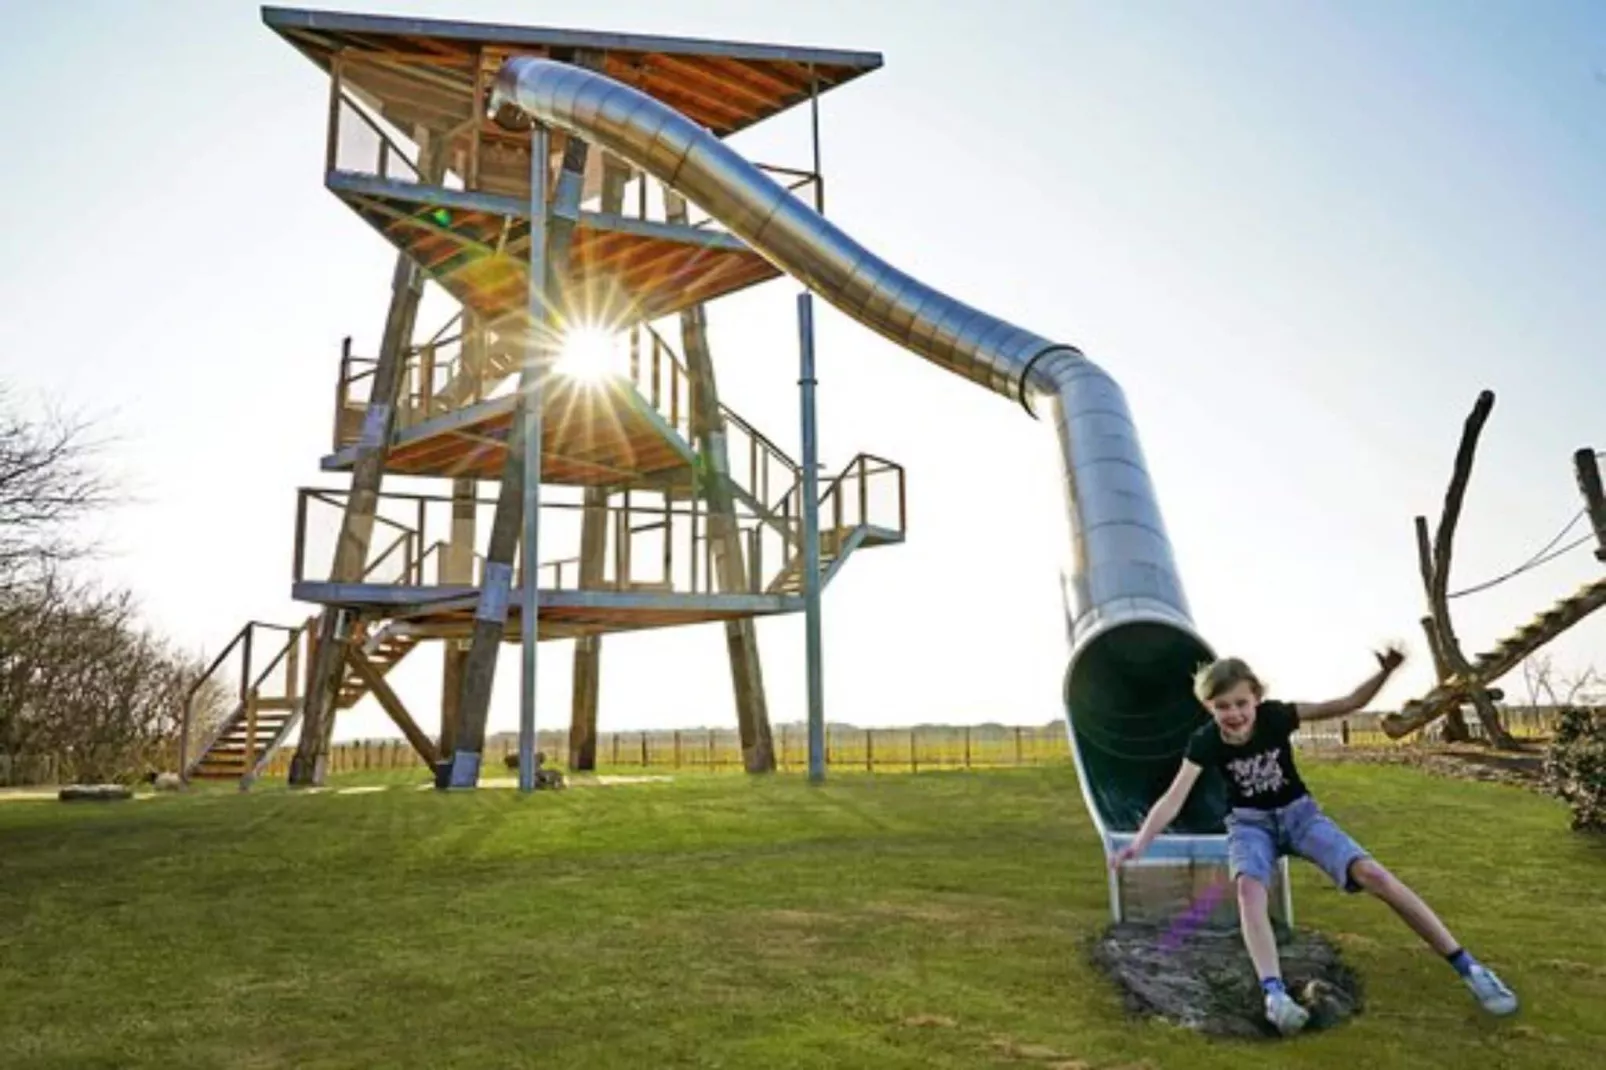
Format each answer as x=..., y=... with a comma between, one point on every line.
x=83, y=684
x=47, y=483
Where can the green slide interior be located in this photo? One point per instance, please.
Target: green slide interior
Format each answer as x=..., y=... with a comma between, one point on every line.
x=1129, y=698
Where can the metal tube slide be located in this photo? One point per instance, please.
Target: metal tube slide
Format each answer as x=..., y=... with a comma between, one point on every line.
x=1129, y=705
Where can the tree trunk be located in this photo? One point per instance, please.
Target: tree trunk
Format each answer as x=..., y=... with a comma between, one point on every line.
x=1438, y=597
x=1455, y=725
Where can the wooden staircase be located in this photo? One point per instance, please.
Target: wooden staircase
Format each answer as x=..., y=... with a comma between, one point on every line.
x=835, y=544
x=1506, y=655
x=271, y=701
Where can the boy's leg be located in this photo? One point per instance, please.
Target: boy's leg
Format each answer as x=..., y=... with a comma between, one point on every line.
x=1254, y=918
x=1368, y=875
x=1252, y=859
x=1317, y=838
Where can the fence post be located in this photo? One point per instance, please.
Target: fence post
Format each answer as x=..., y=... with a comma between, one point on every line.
x=869, y=751
x=1017, y=746
x=967, y=746
x=914, y=760
x=644, y=748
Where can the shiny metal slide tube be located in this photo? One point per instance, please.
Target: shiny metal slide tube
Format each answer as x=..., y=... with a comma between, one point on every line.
x=1133, y=645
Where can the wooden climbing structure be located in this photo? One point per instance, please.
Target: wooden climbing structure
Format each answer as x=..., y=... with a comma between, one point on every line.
x=1463, y=680
x=659, y=505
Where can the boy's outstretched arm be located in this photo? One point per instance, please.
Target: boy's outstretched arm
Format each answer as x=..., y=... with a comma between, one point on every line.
x=1161, y=814
x=1388, y=660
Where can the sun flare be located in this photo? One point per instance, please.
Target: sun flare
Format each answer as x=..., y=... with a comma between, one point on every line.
x=589, y=354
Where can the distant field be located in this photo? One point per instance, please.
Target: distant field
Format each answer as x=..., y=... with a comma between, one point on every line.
x=936, y=920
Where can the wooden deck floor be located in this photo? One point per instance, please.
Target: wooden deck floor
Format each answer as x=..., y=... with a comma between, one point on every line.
x=621, y=270
x=443, y=612
x=593, y=433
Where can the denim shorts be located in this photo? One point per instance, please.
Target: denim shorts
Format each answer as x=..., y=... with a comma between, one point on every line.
x=1257, y=838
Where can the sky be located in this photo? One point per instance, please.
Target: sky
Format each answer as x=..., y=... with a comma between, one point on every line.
x=1302, y=237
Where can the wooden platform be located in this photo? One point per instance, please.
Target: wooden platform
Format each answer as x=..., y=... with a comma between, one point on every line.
x=593, y=434
x=622, y=270
x=442, y=612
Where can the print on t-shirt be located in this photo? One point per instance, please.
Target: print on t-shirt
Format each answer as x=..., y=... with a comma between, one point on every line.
x=1259, y=772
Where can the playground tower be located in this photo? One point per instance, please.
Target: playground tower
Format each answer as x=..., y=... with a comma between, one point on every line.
x=659, y=505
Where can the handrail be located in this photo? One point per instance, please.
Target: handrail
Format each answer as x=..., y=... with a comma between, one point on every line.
x=424, y=375
x=657, y=535
x=249, y=686
x=757, y=475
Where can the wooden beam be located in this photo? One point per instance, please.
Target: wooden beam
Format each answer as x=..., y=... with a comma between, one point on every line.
x=1455, y=724
x=724, y=531
x=376, y=684
x=357, y=522
x=1416, y=715
x=1587, y=468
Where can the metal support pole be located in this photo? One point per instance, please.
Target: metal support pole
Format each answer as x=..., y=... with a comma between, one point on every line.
x=811, y=540
x=531, y=382
x=814, y=129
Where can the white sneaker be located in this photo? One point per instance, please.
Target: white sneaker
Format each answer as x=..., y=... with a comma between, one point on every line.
x=1490, y=990
x=1289, y=1017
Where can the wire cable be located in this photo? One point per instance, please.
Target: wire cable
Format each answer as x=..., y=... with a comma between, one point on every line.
x=1540, y=559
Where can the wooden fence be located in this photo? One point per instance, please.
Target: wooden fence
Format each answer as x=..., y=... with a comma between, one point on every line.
x=870, y=749
x=715, y=749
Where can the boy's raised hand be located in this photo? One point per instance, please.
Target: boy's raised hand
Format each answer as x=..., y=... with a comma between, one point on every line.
x=1390, y=657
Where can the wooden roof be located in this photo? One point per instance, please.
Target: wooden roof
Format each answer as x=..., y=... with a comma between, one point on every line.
x=425, y=70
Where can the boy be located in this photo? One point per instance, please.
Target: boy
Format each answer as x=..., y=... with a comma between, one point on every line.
x=1273, y=814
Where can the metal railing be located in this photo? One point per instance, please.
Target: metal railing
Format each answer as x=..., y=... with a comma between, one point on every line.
x=361, y=142
x=426, y=370
x=868, y=493
x=650, y=541
x=358, y=141
x=663, y=380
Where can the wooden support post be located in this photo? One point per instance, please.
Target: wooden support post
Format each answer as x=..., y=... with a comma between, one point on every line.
x=1438, y=595
x=593, y=560
x=724, y=535
x=250, y=735
x=1587, y=468
x=490, y=619
x=1455, y=726
x=457, y=568
x=351, y=552
x=292, y=670
x=381, y=690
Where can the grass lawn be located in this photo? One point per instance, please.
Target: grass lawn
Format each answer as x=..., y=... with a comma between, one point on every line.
x=936, y=920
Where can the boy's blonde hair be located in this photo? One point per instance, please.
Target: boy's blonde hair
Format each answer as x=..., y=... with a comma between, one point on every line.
x=1222, y=675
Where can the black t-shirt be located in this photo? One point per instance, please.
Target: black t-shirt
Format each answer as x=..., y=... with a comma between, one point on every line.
x=1260, y=772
